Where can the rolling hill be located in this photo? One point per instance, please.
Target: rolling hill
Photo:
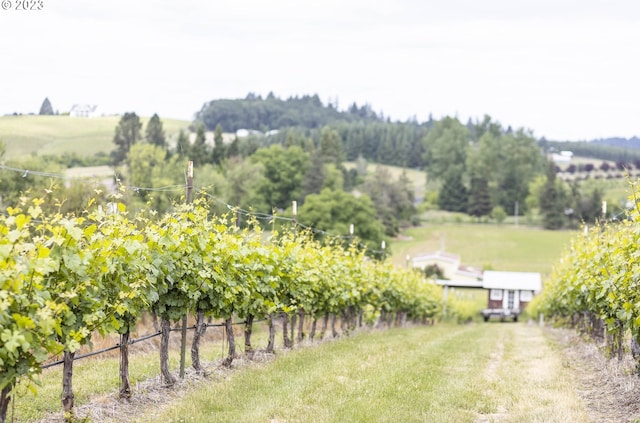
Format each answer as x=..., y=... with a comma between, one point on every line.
x=28, y=134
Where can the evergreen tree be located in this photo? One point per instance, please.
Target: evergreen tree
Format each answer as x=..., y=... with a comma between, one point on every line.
x=127, y=134
x=46, y=108
x=453, y=194
x=331, y=146
x=234, y=148
x=479, y=198
x=315, y=176
x=218, y=153
x=551, y=203
x=200, y=152
x=183, y=146
x=154, y=132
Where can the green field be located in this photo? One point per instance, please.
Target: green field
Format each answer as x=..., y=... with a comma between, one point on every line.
x=417, y=177
x=447, y=373
x=486, y=246
x=55, y=135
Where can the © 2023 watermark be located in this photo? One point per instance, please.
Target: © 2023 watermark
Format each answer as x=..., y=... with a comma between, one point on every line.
x=22, y=5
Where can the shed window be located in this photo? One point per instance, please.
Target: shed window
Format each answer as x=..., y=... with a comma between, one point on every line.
x=496, y=294
x=525, y=296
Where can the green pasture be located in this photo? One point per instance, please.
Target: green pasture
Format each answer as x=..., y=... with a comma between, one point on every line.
x=55, y=135
x=417, y=177
x=486, y=246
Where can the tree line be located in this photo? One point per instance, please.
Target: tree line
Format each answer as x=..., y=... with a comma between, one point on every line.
x=271, y=112
x=480, y=168
x=267, y=177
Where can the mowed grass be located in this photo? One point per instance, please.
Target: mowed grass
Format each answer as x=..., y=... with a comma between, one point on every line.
x=24, y=135
x=98, y=376
x=474, y=373
x=487, y=246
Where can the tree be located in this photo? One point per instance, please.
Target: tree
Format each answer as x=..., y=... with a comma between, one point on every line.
x=127, y=134
x=393, y=199
x=154, y=132
x=453, y=194
x=234, y=148
x=446, y=147
x=218, y=153
x=284, y=171
x=315, y=176
x=552, y=202
x=334, y=211
x=183, y=146
x=200, y=152
x=486, y=126
x=242, y=182
x=479, y=198
x=149, y=168
x=46, y=108
x=509, y=162
x=331, y=146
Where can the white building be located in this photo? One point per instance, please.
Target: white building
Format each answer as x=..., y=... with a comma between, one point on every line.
x=84, y=110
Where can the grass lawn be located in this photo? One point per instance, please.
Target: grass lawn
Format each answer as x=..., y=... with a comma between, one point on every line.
x=475, y=373
x=24, y=135
x=505, y=372
x=487, y=246
x=97, y=377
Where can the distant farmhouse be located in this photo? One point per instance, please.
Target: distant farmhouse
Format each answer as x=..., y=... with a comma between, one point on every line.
x=450, y=266
x=508, y=293
x=562, y=157
x=84, y=111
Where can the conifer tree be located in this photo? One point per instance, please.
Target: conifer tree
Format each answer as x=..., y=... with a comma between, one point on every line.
x=479, y=198
x=218, y=153
x=46, y=108
x=154, y=132
x=453, y=194
x=127, y=134
x=551, y=203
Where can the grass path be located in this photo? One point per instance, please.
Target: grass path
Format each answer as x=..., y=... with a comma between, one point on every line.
x=497, y=372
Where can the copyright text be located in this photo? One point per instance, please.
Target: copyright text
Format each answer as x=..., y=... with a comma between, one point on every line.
x=22, y=5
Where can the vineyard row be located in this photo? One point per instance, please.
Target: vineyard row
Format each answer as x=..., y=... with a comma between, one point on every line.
x=596, y=284
x=63, y=278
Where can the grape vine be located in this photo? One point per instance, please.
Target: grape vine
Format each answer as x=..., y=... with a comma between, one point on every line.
x=63, y=278
x=596, y=284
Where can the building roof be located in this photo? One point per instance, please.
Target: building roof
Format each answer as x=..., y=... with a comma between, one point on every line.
x=438, y=255
x=460, y=283
x=84, y=107
x=528, y=281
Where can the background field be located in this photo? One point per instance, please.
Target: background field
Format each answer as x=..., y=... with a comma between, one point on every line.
x=24, y=135
x=487, y=246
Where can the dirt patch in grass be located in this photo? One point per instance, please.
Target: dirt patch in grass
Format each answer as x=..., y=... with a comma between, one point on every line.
x=609, y=388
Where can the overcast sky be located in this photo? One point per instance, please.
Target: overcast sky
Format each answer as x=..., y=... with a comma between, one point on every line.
x=564, y=69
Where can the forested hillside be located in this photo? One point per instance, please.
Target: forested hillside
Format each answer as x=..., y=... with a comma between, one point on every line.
x=621, y=151
x=255, y=113
x=296, y=149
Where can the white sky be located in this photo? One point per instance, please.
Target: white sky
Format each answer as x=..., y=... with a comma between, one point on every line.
x=564, y=69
